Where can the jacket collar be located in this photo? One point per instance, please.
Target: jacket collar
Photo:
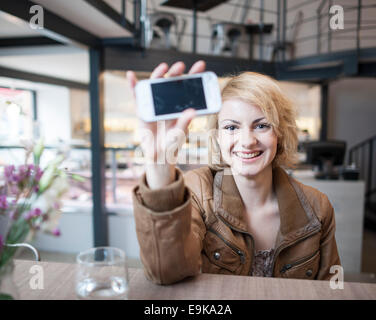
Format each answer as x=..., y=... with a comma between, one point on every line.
x=296, y=215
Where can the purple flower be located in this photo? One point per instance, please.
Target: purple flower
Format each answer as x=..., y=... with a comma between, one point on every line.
x=14, y=189
x=56, y=232
x=36, y=212
x=8, y=172
x=23, y=173
x=13, y=214
x=33, y=213
x=38, y=174
x=28, y=215
x=3, y=202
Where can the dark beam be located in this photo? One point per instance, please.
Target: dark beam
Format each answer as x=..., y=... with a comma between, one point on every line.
x=27, y=41
x=309, y=74
x=119, y=41
x=350, y=66
x=100, y=221
x=332, y=57
x=111, y=13
x=57, y=28
x=367, y=70
x=34, y=77
x=135, y=59
x=324, y=111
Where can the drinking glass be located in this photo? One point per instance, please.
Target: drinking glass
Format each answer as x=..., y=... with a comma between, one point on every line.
x=102, y=273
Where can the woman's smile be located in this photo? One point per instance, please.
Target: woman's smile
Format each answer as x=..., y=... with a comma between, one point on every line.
x=248, y=156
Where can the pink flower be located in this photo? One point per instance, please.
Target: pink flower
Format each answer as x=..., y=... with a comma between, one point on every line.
x=3, y=202
x=13, y=214
x=8, y=172
x=38, y=173
x=29, y=215
x=36, y=212
x=33, y=213
x=23, y=173
x=56, y=232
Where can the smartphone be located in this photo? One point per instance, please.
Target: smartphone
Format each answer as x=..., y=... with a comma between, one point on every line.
x=166, y=98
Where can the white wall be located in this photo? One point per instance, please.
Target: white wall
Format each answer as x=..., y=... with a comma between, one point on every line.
x=54, y=113
x=352, y=110
x=306, y=99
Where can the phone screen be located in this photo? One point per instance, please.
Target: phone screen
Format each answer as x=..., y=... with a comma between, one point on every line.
x=178, y=95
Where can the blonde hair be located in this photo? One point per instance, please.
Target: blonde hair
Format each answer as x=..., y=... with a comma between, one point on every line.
x=264, y=92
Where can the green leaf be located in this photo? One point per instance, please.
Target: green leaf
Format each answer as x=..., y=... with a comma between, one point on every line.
x=46, y=179
x=78, y=178
x=37, y=151
x=4, y=296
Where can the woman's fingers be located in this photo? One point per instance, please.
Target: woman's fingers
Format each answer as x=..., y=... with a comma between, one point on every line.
x=198, y=67
x=159, y=71
x=132, y=80
x=185, y=119
x=176, y=69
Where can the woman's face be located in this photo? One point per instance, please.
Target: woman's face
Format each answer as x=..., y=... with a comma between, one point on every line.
x=247, y=141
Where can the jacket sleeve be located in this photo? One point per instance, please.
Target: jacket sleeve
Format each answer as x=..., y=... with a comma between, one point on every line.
x=328, y=246
x=169, y=229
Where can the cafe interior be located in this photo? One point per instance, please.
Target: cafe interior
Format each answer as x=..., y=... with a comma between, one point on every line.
x=63, y=80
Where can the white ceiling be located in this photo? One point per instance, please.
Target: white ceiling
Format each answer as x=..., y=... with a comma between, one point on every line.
x=59, y=61
x=85, y=16
x=14, y=27
x=62, y=61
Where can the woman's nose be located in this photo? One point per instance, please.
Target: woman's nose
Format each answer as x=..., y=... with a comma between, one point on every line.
x=248, y=139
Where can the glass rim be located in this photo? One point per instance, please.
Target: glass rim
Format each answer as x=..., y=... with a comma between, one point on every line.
x=107, y=263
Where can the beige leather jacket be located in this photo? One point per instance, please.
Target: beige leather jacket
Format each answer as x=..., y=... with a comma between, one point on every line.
x=196, y=224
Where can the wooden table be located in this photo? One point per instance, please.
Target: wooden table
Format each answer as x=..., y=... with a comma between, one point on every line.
x=59, y=281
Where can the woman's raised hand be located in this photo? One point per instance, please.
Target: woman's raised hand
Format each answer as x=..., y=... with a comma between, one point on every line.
x=161, y=141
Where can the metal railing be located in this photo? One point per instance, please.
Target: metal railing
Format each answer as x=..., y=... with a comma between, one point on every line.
x=285, y=38
x=363, y=155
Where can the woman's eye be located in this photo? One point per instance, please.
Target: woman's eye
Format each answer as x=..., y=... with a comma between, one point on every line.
x=263, y=126
x=230, y=128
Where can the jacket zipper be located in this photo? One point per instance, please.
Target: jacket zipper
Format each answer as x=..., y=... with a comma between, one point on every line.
x=290, y=265
x=246, y=233
x=233, y=248
x=279, y=249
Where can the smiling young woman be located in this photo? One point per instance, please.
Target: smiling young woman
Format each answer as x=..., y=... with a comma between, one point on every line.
x=242, y=214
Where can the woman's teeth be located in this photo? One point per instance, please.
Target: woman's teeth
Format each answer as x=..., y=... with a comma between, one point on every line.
x=247, y=155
